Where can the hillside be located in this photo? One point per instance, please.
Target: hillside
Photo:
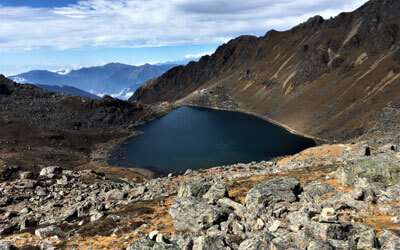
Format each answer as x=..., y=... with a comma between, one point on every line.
x=38, y=126
x=67, y=91
x=109, y=79
x=325, y=78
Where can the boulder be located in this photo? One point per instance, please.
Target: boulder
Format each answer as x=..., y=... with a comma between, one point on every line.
x=325, y=231
x=50, y=172
x=238, y=208
x=48, y=232
x=319, y=245
x=274, y=226
x=6, y=172
x=367, y=240
x=216, y=192
x=25, y=175
x=315, y=191
x=389, y=240
x=194, y=188
x=147, y=244
x=277, y=190
x=208, y=243
x=4, y=245
x=185, y=242
x=256, y=242
x=328, y=214
x=115, y=195
x=194, y=215
x=382, y=169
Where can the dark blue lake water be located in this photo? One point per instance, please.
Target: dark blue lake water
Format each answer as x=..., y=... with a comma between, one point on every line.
x=194, y=138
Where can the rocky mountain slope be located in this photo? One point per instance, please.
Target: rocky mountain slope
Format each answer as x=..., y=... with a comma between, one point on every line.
x=325, y=78
x=109, y=79
x=67, y=91
x=39, y=126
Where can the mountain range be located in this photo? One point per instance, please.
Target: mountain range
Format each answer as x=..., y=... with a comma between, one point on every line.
x=330, y=79
x=115, y=79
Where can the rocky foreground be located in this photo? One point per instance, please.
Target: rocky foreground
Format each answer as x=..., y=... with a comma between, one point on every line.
x=328, y=197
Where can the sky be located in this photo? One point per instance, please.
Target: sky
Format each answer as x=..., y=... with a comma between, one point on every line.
x=65, y=34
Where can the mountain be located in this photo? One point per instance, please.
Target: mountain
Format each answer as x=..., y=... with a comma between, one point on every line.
x=67, y=90
x=331, y=79
x=109, y=79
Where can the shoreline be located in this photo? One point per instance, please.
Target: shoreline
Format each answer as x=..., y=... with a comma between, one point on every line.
x=101, y=153
x=98, y=158
x=284, y=126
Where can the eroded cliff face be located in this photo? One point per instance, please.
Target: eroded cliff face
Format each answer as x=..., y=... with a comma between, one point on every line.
x=326, y=78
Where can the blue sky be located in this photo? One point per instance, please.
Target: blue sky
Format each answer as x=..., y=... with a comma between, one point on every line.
x=57, y=34
x=38, y=3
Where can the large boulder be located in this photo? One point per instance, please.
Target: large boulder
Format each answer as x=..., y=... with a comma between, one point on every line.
x=315, y=191
x=382, y=169
x=327, y=231
x=270, y=192
x=194, y=215
x=194, y=188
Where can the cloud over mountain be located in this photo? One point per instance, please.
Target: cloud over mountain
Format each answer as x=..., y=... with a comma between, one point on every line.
x=141, y=23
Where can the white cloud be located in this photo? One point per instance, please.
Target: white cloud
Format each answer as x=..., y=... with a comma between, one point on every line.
x=142, y=23
x=197, y=56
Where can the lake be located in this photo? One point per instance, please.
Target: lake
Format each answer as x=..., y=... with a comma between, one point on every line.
x=196, y=138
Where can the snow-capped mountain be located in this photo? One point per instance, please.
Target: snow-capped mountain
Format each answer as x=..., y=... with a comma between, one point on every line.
x=115, y=79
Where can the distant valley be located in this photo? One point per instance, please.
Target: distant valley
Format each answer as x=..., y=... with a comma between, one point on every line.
x=115, y=79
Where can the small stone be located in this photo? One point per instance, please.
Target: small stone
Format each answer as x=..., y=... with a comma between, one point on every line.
x=48, y=232
x=328, y=215
x=396, y=220
x=25, y=175
x=160, y=238
x=357, y=194
x=115, y=194
x=275, y=225
x=295, y=228
x=96, y=216
x=153, y=235
x=25, y=210
x=260, y=224
x=50, y=172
